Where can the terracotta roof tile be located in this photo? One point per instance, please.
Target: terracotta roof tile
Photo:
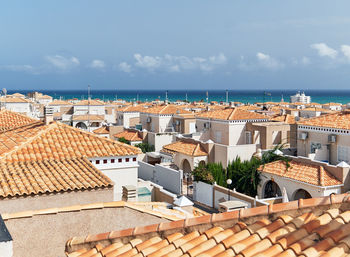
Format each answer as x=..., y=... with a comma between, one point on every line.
x=49, y=176
x=10, y=120
x=339, y=120
x=101, y=130
x=308, y=173
x=188, y=148
x=232, y=114
x=90, y=117
x=283, y=235
x=129, y=135
x=60, y=102
x=57, y=141
x=166, y=109
x=90, y=102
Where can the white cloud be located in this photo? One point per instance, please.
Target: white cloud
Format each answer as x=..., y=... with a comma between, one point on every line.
x=25, y=68
x=63, y=63
x=346, y=51
x=324, y=50
x=97, y=64
x=125, y=67
x=173, y=63
x=267, y=61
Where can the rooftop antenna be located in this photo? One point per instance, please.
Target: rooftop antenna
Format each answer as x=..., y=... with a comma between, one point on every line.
x=166, y=97
x=186, y=98
x=207, y=94
x=226, y=96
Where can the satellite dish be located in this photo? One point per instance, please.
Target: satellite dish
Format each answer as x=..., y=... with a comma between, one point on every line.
x=4, y=91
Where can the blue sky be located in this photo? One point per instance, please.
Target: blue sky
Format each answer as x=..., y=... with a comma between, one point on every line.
x=183, y=44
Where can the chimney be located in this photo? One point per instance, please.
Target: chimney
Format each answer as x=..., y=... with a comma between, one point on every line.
x=48, y=115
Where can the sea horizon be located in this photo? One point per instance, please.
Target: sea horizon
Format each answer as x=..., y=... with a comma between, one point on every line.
x=244, y=96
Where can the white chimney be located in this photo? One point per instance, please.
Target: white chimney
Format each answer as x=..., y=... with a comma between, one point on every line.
x=48, y=115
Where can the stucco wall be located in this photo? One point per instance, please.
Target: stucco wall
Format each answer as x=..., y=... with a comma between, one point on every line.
x=304, y=146
x=159, y=140
x=45, y=201
x=166, y=177
x=46, y=235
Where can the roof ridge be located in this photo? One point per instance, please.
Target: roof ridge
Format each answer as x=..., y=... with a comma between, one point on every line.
x=195, y=149
x=98, y=137
x=29, y=140
x=232, y=113
x=321, y=172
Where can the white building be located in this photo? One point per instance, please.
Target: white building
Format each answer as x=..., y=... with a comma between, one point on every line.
x=303, y=178
x=300, y=98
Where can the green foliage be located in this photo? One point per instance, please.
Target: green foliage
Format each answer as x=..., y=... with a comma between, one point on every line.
x=145, y=147
x=244, y=174
x=123, y=140
x=202, y=173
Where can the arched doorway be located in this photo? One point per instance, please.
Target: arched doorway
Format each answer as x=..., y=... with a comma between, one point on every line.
x=201, y=163
x=301, y=194
x=186, y=166
x=272, y=189
x=81, y=125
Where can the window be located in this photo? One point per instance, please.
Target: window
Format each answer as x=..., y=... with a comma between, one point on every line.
x=120, y=160
x=112, y=160
x=127, y=159
x=134, y=159
x=97, y=161
x=314, y=147
x=104, y=161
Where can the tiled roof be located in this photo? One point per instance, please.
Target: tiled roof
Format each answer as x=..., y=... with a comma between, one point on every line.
x=60, y=102
x=166, y=109
x=9, y=120
x=14, y=100
x=101, y=130
x=287, y=118
x=308, y=227
x=308, y=173
x=90, y=102
x=129, y=135
x=91, y=117
x=49, y=176
x=17, y=95
x=188, y=148
x=340, y=120
x=44, y=97
x=57, y=141
x=132, y=108
x=232, y=114
x=314, y=109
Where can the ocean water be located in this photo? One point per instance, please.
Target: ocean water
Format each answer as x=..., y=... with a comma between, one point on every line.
x=244, y=96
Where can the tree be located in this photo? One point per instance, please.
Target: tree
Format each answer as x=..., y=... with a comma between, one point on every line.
x=245, y=175
x=123, y=140
x=145, y=147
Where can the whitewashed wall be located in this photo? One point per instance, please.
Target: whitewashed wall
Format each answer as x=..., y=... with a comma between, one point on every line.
x=6, y=249
x=166, y=177
x=203, y=193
